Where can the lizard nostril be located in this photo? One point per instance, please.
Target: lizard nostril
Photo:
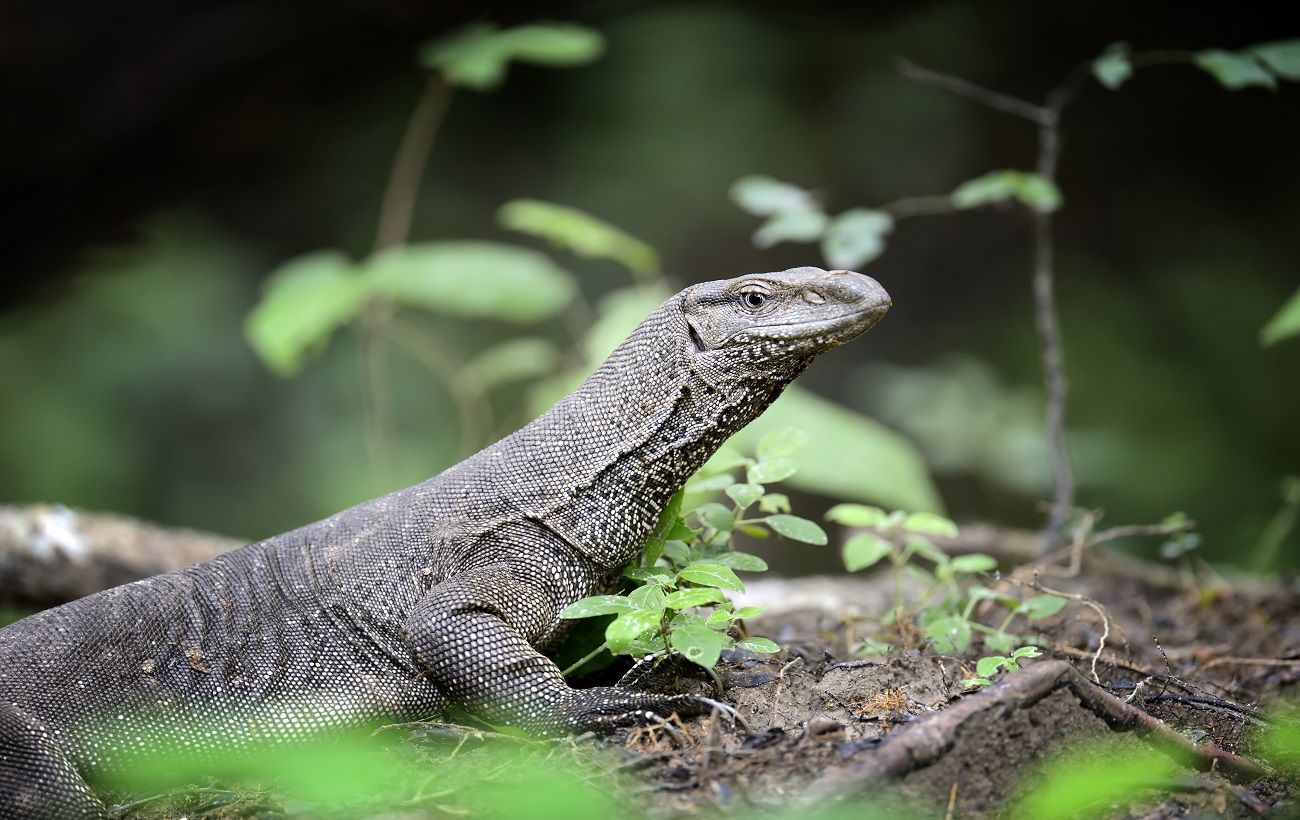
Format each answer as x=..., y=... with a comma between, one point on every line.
x=813, y=297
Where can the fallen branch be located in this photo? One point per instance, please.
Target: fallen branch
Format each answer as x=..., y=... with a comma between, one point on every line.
x=925, y=742
x=50, y=554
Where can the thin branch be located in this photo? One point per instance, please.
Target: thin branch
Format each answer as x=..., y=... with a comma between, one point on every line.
x=398, y=205
x=919, y=206
x=965, y=88
x=1048, y=118
x=1051, y=352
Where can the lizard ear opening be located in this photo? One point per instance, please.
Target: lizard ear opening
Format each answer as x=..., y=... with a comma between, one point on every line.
x=695, y=337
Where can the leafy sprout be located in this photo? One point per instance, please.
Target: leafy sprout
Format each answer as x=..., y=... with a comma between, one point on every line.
x=689, y=563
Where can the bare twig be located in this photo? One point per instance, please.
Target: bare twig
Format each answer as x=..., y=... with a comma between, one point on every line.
x=919, y=206
x=780, y=679
x=1251, y=662
x=1048, y=119
x=398, y=206
x=965, y=88
x=1092, y=604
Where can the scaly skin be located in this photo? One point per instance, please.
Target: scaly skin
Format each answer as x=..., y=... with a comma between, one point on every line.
x=443, y=594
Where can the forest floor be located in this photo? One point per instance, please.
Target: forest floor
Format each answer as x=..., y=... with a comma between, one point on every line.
x=1187, y=690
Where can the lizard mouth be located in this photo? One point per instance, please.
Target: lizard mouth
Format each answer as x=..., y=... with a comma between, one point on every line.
x=836, y=329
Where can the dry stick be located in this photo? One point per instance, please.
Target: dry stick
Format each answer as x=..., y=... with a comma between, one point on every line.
x=780, y=679
x=1095, y=606
x=926, y=741
x=1048, y=119
x=1251, y=662
x=1084, y=540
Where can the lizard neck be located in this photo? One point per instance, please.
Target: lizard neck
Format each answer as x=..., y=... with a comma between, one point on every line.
x=615, y=450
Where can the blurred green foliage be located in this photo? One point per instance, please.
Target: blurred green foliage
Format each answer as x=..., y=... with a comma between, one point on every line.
x=135, y=391
x=1092, y=781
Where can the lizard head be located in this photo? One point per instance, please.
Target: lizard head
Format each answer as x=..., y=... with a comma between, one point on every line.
x=774, y=324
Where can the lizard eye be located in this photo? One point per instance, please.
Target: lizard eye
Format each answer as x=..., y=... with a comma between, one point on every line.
x=753, y=299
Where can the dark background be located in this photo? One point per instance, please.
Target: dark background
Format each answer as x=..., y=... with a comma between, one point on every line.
x=161, y=158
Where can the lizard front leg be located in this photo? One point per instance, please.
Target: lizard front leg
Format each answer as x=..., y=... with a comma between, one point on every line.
x=472, y=636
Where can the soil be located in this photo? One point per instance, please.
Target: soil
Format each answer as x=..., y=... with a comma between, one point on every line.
x=829, y=731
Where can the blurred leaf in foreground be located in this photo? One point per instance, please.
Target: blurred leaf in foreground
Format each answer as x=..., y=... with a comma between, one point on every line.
x=1094, y=781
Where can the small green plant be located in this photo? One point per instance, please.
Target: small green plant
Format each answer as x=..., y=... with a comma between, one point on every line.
x=987, y=667
x=945, y=609
x=689, y=562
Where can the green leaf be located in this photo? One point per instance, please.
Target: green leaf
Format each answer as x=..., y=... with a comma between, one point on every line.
x=580, y=232
x=745, y=494
x=477, y=56
x=930, y=524
x=1235, y=71
x=864, y=550
x=988, y=667
x=629, y=626
x=760, y=646
x=743, y=561
x=888, y=470
x=922, y=546
x=781, y=443
x=770, y=472
x=999, y=641
x=951, y=635
x=1032, y=190
x=687, y=598
x=698, y=644
x=719, y=619
x=764, y=196
x=797, y=529
x=717, y=516
x=747, y=612
x=303, y=301
x=973, y=563
x=725, y=460
x=677, y=551
x=856, y=237
x=774, y=503
x=473, y=279
x=712, y=574
x=710, y=484
x=650, y=596
x=668, y=520
x=856, y=515
x=790, y=226
x=597, y=605
x=515, y=360
x=1026, y=652
x=643, y=574
x=975, y=683
x=1041, y=606
x=1282, y=58
x=1284, y=324
x=1113, y=67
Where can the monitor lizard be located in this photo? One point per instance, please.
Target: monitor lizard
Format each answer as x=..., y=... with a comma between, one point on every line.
x=441, y=595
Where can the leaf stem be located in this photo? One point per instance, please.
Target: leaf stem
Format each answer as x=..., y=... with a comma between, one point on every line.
x=398, y=206
x=587, y=657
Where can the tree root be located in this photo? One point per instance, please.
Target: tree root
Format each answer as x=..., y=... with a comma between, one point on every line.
x=928, y=740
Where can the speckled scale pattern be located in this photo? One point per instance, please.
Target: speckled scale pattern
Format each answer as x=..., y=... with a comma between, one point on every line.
x=443, y=594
